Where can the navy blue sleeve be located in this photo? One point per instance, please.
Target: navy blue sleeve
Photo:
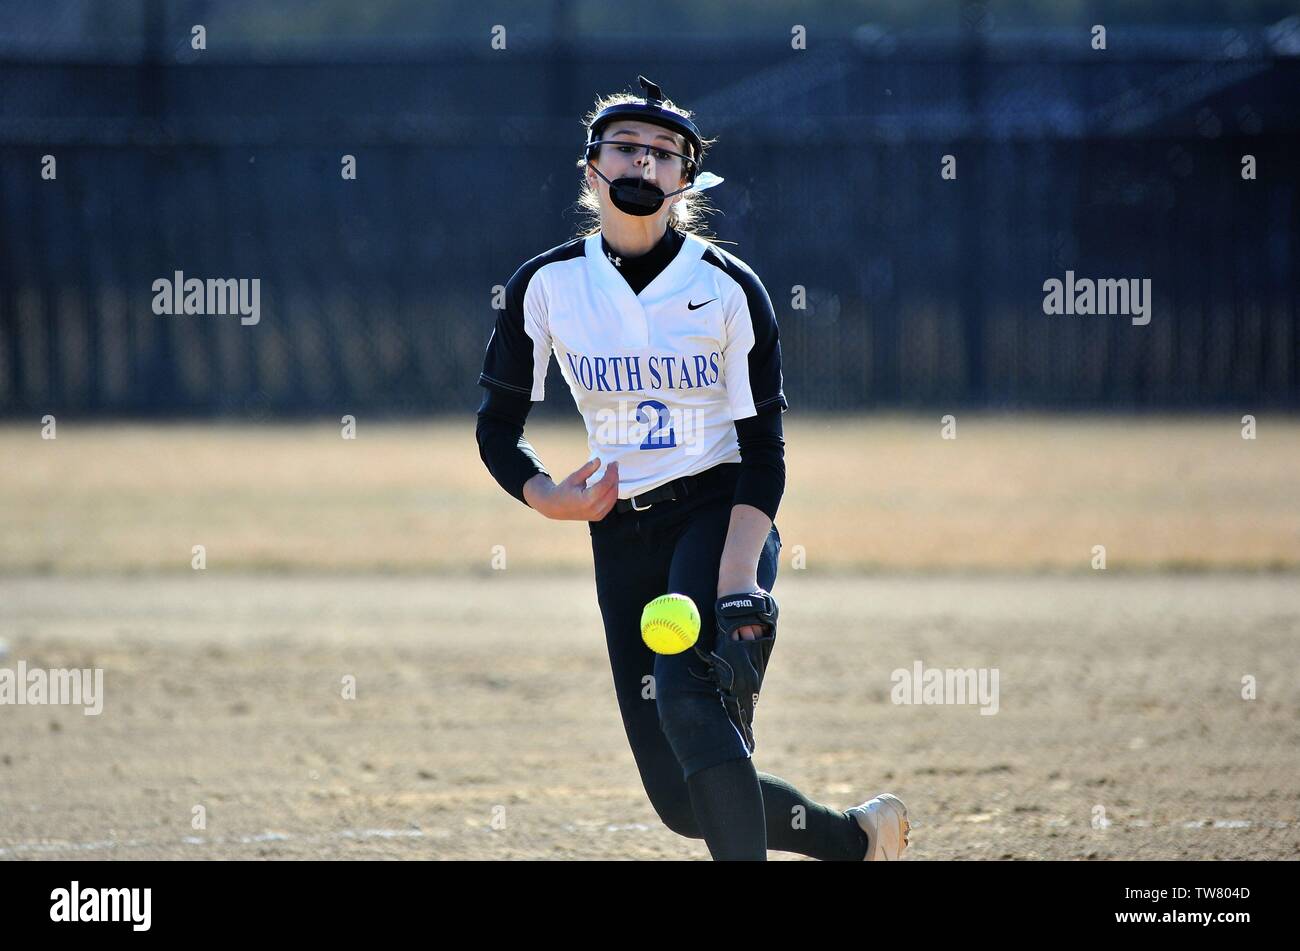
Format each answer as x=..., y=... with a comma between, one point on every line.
x=762, y=461
x=501, y=443
x=752, y=357
x=519, y=350
x=765, y=380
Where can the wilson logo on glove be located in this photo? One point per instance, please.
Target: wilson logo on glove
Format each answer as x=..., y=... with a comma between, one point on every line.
x=737, y=604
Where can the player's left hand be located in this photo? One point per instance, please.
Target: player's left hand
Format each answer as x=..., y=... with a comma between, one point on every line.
x=746, y=632
x=733, y=624
x=736, y=663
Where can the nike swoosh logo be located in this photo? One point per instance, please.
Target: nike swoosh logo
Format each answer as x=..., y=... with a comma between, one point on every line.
x=690, y=306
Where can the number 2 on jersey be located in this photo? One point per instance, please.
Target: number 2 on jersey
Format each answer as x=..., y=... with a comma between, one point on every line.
x=657, y=437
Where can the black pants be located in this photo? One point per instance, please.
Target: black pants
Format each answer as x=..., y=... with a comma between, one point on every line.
x=675, y=723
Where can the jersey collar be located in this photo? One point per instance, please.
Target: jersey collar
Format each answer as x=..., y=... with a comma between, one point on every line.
x=654, y=260
x=606, y=274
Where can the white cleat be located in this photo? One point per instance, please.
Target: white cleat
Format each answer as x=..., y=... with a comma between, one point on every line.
x=884, y=820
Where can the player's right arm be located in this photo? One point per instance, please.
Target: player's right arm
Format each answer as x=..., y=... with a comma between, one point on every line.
x=572, y=499
x=516, y=467
x=514, y=375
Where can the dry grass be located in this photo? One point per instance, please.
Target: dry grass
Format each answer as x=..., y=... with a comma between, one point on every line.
x=875, y=493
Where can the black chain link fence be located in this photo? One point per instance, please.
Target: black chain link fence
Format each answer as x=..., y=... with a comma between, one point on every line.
x=376, y=293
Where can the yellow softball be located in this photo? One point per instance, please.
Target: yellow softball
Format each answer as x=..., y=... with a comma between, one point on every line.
x=670, y=624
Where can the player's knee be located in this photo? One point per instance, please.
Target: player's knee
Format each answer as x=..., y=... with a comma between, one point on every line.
x=676, y=813
x=686, y=717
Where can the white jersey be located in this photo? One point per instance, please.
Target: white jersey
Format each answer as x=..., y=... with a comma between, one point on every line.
x=660, y=376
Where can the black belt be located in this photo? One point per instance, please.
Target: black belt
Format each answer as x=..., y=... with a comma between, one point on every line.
x=681, y=488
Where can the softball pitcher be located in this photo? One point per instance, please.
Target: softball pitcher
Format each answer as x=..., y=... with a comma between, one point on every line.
x=669, y=345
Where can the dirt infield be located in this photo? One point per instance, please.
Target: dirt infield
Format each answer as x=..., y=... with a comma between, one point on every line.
x=484, y=723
